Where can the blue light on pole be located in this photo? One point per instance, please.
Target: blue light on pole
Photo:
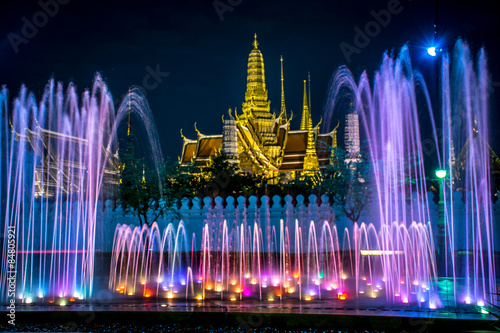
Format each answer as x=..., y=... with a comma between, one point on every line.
x=432, y=51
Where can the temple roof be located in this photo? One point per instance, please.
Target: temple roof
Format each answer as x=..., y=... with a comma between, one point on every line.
x=265, y=142
x=208, y=145
x=188, y=152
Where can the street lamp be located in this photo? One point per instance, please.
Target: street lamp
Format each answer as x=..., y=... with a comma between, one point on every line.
x=440, y=173
x=432, y=51
x=441, y=246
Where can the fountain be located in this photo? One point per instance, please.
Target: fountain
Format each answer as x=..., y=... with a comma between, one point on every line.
x=59, y=157
x=398, y=258
x=394, y=259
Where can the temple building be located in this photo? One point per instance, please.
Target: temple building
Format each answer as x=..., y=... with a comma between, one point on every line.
x=260, y=142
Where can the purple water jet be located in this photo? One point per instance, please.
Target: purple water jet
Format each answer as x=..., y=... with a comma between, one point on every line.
x=60, y=153
x=60, y=159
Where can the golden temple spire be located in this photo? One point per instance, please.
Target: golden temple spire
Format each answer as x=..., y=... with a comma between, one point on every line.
x=309, y=83
x=305, y=122
x=256, y=104
x=129, y=114
x=255, y=43
x=311, y=158
x=283, y=108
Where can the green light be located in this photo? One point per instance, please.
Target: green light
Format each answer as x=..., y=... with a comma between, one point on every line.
x=440, y=173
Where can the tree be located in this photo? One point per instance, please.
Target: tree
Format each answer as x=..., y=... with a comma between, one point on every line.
x=139, y=190
x=222, y=178
x=348, y=181
x=179, y=182
x=305, y=184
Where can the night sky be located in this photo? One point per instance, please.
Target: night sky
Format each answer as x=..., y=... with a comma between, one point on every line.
x=204, y=50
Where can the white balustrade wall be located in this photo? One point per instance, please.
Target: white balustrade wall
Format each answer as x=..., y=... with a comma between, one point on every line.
x=196, y=212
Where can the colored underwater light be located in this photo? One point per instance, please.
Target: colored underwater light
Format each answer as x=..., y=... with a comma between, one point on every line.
x=432, y=51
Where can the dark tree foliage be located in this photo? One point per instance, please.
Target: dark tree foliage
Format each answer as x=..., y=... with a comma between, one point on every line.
x=179, y=182
x=348, y=181
x=221, y=178
x=139, y=191
x=154, y=193
x=306, y=184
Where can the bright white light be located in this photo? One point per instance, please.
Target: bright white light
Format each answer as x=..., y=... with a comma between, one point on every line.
x=379, y=252
x=432, y=51
x=440, y=173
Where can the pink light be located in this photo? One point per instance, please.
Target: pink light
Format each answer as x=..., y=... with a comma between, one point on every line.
x=53, y=251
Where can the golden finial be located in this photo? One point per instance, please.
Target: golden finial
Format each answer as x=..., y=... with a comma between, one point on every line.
x=129, y=114
x=196, y=129
x=320, y=121
x=283, y=108
x=182, y=135
x=255, y=43
x=305, y=122
x=229, y=111
x=309, y=83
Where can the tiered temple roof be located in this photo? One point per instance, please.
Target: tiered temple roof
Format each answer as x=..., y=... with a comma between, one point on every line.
x=266, y=145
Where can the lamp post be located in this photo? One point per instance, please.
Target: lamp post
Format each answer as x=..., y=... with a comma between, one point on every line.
x=441, y=176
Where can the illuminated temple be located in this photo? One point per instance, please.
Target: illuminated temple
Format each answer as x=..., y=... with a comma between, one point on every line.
x=260, y=142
